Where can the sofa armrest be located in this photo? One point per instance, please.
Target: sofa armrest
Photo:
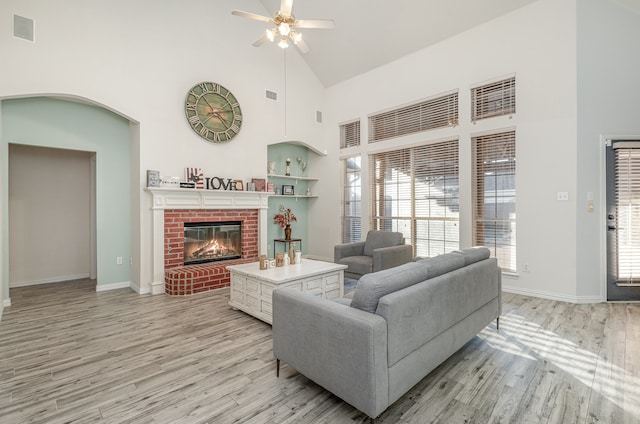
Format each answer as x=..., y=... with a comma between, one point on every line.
x=392, y=256
x=342, y=349
x=349, y=249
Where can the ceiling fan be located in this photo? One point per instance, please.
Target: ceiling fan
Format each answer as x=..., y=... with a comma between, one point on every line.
x=285, y=26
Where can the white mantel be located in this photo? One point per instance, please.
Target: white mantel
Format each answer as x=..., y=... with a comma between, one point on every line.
x=178, y=198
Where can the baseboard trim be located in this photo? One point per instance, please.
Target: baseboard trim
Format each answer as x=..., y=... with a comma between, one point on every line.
x=135, y=287
x=156, y=287
x=48, y=280
x=551, y=295
x=113, y=286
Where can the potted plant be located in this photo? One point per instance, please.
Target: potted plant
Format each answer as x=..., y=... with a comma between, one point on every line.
x=284, y=219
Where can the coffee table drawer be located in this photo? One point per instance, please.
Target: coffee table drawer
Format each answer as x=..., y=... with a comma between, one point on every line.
x=237, y=295
x=313, y=286
x=332, y=282
x=252, y=286
x=252, y=301
x=239, y=282
x=332, y=294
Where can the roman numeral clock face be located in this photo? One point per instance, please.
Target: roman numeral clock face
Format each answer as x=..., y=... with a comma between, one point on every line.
x=213, y=112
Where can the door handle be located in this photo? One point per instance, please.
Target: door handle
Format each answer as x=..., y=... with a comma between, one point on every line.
x=611, y=227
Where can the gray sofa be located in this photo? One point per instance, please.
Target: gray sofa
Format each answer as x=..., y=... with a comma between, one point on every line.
x=380, y=250
x=400, y=325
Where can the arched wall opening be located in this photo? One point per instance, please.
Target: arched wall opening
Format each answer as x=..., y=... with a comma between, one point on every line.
x=111, y=142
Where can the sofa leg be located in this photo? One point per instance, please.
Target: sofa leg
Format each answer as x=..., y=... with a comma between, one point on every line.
x=498, y=323
x=277, y=368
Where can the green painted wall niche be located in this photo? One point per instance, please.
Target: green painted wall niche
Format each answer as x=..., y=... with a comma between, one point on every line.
x=279, y=153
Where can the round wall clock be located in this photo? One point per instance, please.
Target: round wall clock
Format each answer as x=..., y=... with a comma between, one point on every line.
x=213, y=112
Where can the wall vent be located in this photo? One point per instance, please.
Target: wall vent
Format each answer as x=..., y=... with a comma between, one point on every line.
x=318, y=116
x=23, y=28
x=272, y=95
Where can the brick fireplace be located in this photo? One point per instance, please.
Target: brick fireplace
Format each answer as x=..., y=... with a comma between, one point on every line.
x=172, y=208
x=183, y=279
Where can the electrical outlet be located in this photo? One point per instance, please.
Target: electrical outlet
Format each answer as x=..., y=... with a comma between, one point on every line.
x=525, y=268
x=119, y=260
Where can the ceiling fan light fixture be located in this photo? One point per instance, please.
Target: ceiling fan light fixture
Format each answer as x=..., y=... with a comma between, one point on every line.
x=283, y=42
x=271, y=34
x=284, y=29
x=295, y=36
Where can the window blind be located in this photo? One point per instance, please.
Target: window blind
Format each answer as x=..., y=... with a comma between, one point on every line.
x=627, y=198
x=350, y=134
x=350, y=200
x=495, y=196
x=427, y=115
x=416, y=191
x=495, y=99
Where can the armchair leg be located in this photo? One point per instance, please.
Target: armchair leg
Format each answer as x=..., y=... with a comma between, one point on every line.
x=277, y=368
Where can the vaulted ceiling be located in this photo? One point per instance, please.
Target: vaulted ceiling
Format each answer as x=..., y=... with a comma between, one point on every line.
x=370, y=33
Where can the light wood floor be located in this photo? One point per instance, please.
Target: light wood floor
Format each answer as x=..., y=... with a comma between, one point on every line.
x=69, y=354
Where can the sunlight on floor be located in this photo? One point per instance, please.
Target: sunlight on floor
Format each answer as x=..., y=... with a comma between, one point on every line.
x=529, y=340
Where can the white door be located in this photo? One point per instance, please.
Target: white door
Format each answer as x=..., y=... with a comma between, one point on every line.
x=623, y=219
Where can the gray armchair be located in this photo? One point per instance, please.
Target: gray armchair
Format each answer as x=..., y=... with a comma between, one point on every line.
x=381, y=250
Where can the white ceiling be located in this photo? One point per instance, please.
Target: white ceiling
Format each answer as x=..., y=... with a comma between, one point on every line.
x=370, y=33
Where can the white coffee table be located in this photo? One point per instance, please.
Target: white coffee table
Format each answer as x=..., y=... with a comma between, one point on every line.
x=252, y=288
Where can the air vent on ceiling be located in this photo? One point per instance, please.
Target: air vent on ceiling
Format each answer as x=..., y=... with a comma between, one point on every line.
x=272, y=95
x=23, y=28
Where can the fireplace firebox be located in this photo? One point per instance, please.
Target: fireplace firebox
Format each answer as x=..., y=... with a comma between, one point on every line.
x=212, y=241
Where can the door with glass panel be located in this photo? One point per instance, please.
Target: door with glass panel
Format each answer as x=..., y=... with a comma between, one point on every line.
x=623, y=220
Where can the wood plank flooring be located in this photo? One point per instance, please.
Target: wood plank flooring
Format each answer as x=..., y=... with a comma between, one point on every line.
x=69, y=354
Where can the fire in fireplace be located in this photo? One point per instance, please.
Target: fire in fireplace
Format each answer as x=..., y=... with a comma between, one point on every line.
x=212, y=241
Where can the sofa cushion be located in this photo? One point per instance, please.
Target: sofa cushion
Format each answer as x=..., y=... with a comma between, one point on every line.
x=442, y=264
x=358, y=264
x=377, y=239
x=474, y=254
x=372, y=287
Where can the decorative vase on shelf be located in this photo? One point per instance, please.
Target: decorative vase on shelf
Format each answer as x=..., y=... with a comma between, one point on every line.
x=287, y=232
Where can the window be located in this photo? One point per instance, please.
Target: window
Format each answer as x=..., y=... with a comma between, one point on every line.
x=427, y=115
x=350, y=134
x=415, y=191
x=351, y=209
x=495, y=196
x=495, y=99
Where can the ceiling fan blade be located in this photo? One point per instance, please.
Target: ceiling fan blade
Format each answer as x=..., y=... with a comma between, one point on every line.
x=315, y=23
x=260, y=41
x=302, y=46
x=285, y=7
x=252, y=16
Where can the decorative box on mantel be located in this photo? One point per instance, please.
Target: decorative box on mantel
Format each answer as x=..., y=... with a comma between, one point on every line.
x=176, y=199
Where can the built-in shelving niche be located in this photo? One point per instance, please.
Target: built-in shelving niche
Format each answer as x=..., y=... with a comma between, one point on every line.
x=300, y=179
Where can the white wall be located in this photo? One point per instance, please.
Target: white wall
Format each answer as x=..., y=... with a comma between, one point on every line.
x=537, y=44
x=49, y=198
x=140, y=60
x=608, y=91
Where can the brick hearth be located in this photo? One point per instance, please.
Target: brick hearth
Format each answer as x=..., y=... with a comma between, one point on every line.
x=189, y=279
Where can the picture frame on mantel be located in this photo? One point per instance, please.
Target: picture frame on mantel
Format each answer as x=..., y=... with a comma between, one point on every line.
x=287, y=190
x=259, y=183
x=153, y=178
